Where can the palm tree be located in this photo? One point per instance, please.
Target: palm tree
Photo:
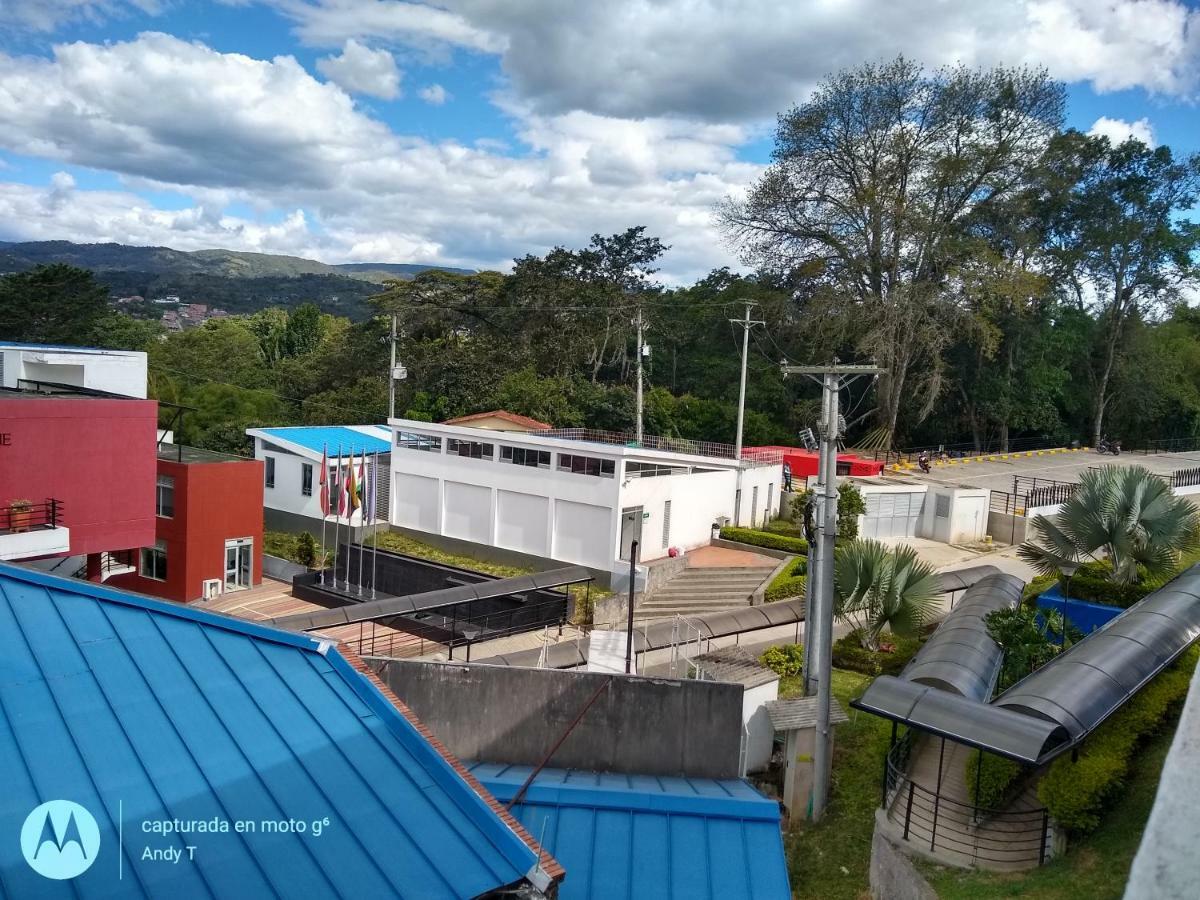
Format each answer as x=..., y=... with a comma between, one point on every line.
x=1124, y=514
x=878, y=589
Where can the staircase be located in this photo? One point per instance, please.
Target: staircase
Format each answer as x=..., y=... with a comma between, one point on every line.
x=702, y=590
x=943, y=824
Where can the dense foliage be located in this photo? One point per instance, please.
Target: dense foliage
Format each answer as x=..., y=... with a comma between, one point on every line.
x=767, y=539
x=1094, y=583
x=990, y=779
x=785, y=660
x=1029, y=638
x=892, y=656
x=789, y=583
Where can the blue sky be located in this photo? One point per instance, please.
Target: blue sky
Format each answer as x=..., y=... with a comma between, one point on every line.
x=473, y=131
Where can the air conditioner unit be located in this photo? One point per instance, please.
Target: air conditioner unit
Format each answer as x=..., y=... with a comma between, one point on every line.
x=212, y=588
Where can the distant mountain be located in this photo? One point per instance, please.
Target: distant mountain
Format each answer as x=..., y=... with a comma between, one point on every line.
x=221, y=263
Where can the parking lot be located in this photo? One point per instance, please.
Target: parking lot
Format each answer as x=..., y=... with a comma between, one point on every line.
x=997, y=473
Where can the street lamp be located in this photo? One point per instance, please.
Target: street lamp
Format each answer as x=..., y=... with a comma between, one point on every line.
x=1067, y=568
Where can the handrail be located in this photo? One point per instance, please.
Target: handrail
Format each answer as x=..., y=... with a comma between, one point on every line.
x=17, y=516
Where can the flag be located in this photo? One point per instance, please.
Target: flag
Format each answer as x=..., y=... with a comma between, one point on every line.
x=341, y=484
x=364, y=495
x=324, y=481
x=352, y=487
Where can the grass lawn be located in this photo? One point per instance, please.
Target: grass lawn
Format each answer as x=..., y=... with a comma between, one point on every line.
x=831, y=860
x=1096, y=866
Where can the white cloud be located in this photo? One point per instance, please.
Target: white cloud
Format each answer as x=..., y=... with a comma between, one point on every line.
x=1118, y=130
x=434, y=94
x=725, y=61
x=225, y=129
x=361, y=70
x=46, y=15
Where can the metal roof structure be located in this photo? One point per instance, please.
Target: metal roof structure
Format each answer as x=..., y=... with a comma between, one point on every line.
x=801, y=712
x=627, y=837
x=960, y=656
x=1057, y=706
x=412, y=603
x=327, y=438
x=961, y=579
x=144, y=711
x=734, y=664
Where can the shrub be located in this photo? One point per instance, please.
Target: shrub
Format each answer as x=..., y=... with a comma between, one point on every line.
x=851, y=505
x=848, y=653
x=784, y=587
x=785, y=527
x=785, y=661
x=765, y=539
x=995, y=779
x=1074, y=792
x=306, y=549
x=1093, y=582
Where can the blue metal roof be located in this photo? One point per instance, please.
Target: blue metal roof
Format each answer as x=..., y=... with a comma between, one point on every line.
x=644, y=836
x=329, y=437
x=144, y=711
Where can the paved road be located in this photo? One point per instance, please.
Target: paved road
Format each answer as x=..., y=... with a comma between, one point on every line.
x=998, y=475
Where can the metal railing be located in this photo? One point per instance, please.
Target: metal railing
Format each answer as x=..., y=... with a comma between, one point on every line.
x=963, y=450
x=18, y=516
x=1042, y=491
x=1185, y=477
x=999, y=837
x=752, y=456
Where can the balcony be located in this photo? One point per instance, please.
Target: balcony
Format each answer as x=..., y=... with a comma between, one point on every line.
x=29, y=530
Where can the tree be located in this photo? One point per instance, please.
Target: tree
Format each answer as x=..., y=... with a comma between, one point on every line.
x=1124, y=514
x=872, y=180
x=305, y=328
x=1029, y=638
x=1121, y=240
x=878, y=589
x=56, y=304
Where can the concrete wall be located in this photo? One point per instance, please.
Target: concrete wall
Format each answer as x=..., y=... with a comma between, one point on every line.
x=638, y=725
x=893, y=875
x=116, y=371
x=1006, y=529
x=966, y=519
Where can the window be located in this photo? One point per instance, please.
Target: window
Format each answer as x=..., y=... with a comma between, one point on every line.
x=306, y=470
x=471, y=449
x=164, y=497
x=651, y=470
x=586, y=465
x=270, y=461
x=667, y=524
x=410, y=440
x=523, y=456
x=154, y=561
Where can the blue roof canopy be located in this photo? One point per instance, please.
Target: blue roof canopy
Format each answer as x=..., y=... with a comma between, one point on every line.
x=147, y=712
x=626, y=837
x=329, y=437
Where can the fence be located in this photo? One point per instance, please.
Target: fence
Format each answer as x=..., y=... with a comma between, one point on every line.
x=996, y=838
x=1185, y=477
x=1042, y=491
x=19, y=516
x=752, y=456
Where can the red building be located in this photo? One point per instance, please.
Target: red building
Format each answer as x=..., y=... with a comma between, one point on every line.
x=804, y=462
x=88, y=463
x=209, y=515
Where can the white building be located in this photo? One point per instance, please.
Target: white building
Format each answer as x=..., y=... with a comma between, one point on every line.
x=292, y=465
x=570, y=495
x=112, y=371
x=901, y=507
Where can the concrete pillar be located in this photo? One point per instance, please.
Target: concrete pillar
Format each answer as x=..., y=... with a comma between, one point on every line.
x=94, y=571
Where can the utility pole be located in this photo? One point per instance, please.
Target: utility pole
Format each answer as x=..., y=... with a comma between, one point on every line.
x=640, y=350
x=746, y=324
x=395, y=373
x=818, y=616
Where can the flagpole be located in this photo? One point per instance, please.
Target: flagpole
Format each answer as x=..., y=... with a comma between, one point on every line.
x=337, y=516
x=374, y=521
x=323, y=501
x=362, y=514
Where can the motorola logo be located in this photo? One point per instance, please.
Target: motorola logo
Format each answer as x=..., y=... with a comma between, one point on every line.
x=60, y=839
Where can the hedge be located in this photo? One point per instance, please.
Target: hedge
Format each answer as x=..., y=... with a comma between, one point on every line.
x=1074, y=792
x=1091, y=582
x=995, y=780
x=784, y=527
x=786, y=660
x=765, y=539
x=848, y=653
x=789, y=583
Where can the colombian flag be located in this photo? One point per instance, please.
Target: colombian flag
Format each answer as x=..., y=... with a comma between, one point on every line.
x=352, y=487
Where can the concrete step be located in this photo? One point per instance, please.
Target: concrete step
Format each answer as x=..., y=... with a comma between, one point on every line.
x=687, y=609
x=717, y=574
x=719, y=579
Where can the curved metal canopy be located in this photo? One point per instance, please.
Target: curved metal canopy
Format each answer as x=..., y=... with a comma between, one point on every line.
x=960, y=656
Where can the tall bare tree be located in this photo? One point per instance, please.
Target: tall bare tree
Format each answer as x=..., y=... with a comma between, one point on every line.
x=872, y=178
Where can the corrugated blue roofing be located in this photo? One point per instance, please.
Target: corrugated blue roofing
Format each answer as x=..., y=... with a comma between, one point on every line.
x=330, y=437
x=145, y=712
x=642, y=836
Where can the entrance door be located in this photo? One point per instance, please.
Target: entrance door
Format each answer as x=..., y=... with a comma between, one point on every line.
x=631, y=530
x=239, y=563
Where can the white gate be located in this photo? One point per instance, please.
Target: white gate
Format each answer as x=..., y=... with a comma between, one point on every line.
x=892, y=514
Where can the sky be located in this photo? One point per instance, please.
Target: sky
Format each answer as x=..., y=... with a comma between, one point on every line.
x=471, y=132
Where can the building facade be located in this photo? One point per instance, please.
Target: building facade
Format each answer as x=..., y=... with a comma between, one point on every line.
x=120, y=372
x=571, y=496
x=208, y=527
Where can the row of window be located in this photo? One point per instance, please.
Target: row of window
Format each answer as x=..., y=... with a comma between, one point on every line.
x=517, y=456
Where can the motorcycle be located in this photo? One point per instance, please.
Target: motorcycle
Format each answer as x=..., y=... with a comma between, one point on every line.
x=923, y=462
x=1107, y=446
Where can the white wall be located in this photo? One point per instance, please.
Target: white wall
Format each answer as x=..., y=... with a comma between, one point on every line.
x=117, y=371
x=415, y=502
x=468, y=512
x=760, y=735
x=697, y=499
x=286, y=494
x=579, y=530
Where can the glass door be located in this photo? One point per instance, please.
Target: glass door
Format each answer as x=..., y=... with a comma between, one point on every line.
x=239, y=564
